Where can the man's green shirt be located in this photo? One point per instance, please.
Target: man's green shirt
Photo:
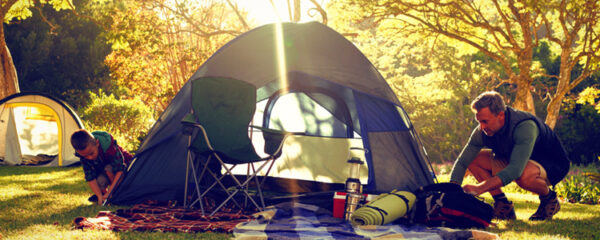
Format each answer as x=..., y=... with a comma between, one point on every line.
x=524, y=136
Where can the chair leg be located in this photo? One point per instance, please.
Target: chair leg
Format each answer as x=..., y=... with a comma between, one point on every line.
x=239, y=186
x=259, y=183
x=249, y=178
x=230, y=197
x=248, y=167
x=268, y=170
x=217, y=181
x=187, y=174
x=260, y=194
x=196, y=182
x=197, y=191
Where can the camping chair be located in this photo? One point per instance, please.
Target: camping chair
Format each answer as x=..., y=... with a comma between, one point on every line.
x=217, y=127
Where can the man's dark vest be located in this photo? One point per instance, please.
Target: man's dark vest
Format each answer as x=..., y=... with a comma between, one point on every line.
x=548, y=151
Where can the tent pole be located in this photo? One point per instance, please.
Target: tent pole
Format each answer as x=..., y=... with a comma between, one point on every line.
x=187, y=173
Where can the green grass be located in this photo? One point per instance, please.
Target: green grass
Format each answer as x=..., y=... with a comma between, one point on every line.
x=41, y=203
x=574, y=221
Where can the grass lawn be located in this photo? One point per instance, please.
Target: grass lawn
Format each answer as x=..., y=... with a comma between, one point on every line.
x=41, y=203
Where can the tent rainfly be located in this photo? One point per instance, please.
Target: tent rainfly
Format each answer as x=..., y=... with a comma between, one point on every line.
x=313, y=82
x=35, y=130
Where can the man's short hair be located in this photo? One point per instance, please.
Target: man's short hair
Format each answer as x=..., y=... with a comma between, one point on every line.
x=490, y=99
x=81, y=138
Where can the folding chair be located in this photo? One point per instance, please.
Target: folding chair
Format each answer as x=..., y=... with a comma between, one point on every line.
x=217, y=127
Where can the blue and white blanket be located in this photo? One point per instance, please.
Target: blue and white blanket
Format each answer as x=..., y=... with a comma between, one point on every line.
x=303, y=221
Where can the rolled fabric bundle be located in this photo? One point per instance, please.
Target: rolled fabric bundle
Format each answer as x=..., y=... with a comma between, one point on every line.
x=384, y=209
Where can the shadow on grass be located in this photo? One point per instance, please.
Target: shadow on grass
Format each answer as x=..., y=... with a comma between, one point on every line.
x=54, y=197
x=38, y=208
x=49, y=196
x=66, y=187
x=24, y=170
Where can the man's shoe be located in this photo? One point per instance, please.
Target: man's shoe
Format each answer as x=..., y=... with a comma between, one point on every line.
x=504, y=210
x=93, y=198
x=548, y=207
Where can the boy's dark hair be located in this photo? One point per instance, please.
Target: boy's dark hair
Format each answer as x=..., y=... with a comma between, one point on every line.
x=81, y=138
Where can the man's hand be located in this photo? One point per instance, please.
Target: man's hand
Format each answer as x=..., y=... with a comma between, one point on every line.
x=472, y=189
x=483, y=187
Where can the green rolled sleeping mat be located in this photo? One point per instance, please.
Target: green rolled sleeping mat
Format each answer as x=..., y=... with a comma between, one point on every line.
x=384, y=209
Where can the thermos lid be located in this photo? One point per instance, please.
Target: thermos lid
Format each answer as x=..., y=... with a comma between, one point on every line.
x=355, y=160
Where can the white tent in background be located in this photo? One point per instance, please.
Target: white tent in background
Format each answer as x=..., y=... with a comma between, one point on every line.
x=35, y=129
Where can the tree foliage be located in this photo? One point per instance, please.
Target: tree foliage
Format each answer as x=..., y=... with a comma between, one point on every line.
x=21, y=9
x=18, y=10
x=506, y=31
x=158, y=44
x=65, y=60
x=436, y=80
x=434, y=84
x=126, y=119
x=579, y=126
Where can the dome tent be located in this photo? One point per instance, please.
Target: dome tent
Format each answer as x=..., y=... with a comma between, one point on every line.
x=35, y=129
x=340, y=101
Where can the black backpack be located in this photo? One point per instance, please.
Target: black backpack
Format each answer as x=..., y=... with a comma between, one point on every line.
x=447, y=205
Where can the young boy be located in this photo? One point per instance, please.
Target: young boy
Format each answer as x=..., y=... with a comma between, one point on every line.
x=103, y=161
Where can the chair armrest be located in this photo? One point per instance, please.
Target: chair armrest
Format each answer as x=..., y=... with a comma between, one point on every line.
x=189, y=119
x=273, y=140
x=189, y=122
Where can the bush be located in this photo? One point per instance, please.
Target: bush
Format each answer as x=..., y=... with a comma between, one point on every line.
x=127, y=120
x=579, y=189
x=579, y=127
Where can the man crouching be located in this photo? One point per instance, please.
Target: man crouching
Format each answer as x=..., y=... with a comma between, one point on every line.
x=511, y=145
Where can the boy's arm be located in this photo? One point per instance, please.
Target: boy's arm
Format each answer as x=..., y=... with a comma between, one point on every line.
x=113, y=184
x=96, y=189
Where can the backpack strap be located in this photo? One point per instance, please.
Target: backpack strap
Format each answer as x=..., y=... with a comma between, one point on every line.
x=404, y=199
x=381, y=212
x=440, y=187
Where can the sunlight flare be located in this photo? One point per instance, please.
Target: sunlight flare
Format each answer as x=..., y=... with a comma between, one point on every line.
x=281, y=61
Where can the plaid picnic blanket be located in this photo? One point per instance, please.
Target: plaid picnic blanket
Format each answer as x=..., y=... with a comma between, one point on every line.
x=162, y=217
x=303, y=221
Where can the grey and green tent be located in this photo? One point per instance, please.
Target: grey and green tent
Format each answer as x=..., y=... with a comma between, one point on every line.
x=311, y=81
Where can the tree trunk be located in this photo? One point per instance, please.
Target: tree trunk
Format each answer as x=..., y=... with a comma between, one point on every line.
x=562, y=88
x=524, y=99
x=8, y=74
x=553, y=110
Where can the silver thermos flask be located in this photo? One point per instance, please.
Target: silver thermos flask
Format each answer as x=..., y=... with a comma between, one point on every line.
x=353, y=187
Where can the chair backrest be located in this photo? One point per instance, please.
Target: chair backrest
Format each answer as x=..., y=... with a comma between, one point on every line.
x=225, y=107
